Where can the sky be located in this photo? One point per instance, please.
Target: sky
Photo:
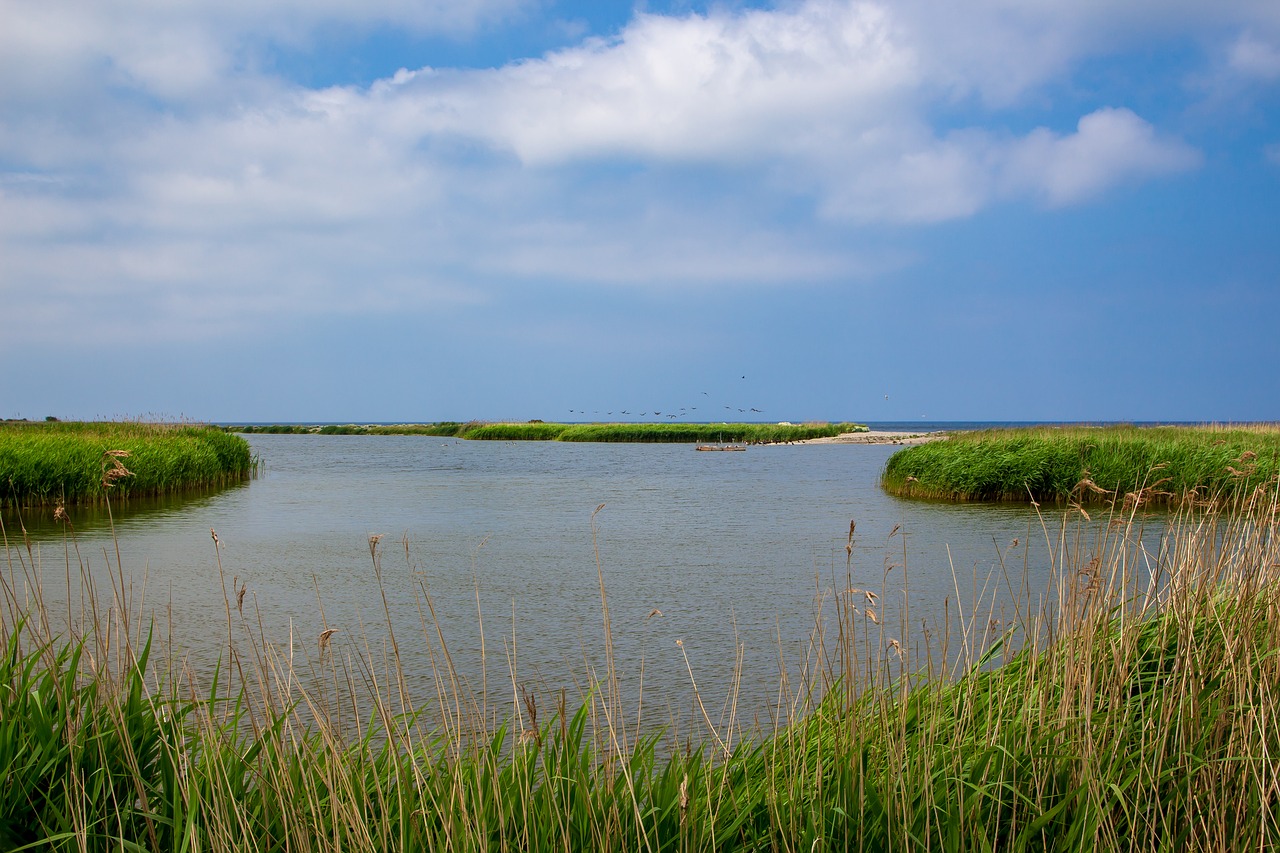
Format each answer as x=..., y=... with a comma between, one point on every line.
x=423, y=210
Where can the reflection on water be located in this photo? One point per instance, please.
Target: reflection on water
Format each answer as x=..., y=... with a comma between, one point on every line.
x=735, y=550
x=39, y=522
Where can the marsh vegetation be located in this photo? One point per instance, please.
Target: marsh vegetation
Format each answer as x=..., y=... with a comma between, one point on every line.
x=1129, y=705
x=1089, y=464
x=47, y=463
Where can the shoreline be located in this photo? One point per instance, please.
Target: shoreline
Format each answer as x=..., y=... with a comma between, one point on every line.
x=878, y=437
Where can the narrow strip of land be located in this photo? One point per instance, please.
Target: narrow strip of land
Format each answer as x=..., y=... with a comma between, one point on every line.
x=536, y=430
x=878, y=436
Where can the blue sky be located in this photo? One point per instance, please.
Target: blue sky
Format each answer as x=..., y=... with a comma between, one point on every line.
x=386, y=210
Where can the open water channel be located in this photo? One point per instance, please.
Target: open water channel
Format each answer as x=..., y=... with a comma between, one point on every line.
x=737, y=553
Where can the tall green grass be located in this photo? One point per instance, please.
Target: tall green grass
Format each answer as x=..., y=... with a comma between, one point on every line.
x=1130, y=706
x=1087, y=464
x=530, y=431
x=48, y=463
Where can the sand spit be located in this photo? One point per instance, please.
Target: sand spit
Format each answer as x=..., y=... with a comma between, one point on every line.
x=878, y=437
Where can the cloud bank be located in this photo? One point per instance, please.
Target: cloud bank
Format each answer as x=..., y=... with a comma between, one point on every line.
x=156, y=173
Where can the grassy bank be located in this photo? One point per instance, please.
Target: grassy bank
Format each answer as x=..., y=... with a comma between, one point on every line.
x=1133, y=711
x=605, y=432
x=444, y=428
x=659, y=433
x=43, y=463
x=1087, y=464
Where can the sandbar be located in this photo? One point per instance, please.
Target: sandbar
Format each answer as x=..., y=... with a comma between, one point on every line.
x=878, y=437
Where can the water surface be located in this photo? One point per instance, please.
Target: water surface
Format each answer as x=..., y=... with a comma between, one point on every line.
x=735, y=550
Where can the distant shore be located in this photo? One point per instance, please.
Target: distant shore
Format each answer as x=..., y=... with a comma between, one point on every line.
x=878, y=437
x=537, y=430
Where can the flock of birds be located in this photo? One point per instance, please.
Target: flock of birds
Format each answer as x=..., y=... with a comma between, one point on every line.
x=682, y=412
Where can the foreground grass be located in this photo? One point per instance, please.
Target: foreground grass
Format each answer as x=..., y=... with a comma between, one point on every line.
x=44, y=463
x=605, y=432
x=1087, y=463
x=1135, y=712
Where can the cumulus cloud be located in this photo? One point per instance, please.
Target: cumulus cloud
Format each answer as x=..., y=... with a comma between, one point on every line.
x=921, y=179
x=1109, y=146
x=717, y=86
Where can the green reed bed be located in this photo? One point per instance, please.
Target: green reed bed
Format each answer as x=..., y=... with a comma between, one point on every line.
x=1087, y=463
x=444, y=428
x=532, y=431
x=48, y=463
x=706, y=433
x=1134, y=711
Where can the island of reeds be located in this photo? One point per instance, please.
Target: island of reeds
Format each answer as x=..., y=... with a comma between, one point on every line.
x=742, y=433
x=1085, y=464
x=51, y=462
x=1132, y=705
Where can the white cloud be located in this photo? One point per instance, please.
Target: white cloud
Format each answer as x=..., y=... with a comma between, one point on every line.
x=171, y=50
x=832, y=94
x=720, y=86
x=908, y=175
x=1108, y=147
x=1254, y=57
x=919, y=178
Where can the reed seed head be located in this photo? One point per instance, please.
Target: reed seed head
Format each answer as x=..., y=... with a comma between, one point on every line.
x=112, y=468
x=684, y=798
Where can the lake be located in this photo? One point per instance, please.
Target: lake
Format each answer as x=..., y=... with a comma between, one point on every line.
x=737, y=551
